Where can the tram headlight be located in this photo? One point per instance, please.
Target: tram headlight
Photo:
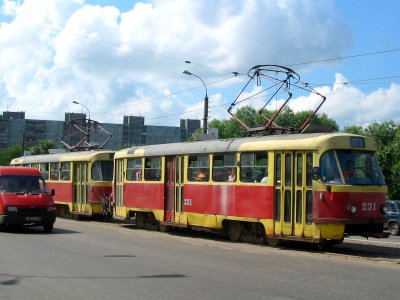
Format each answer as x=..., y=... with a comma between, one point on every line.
x=384, y=208
x=353, y=209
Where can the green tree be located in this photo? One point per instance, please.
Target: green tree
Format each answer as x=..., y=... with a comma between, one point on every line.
x=9, y=154
x=42, y=147
x=250, y=117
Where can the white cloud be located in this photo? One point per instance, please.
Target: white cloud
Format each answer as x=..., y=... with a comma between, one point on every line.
x=56, y=51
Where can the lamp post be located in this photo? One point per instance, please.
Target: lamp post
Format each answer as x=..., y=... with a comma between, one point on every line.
x=88, y=124
x=205, y=101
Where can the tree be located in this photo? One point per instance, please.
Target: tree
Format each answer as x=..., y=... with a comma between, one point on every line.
x=287, y=118
x=43, y=147
x=9, y=154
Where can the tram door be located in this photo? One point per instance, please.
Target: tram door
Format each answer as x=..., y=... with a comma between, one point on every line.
x=173, y=189
x=303, y=194
x=119, y=188
x=80, y=181
x=283, y=214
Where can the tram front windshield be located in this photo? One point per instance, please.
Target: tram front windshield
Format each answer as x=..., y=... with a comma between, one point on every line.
x=350, y=167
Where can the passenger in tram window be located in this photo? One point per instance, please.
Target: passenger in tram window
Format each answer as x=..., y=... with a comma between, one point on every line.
x=265, y=178
x=201, y=176
x=350, y=171
x=232, y=176
x=138, y=175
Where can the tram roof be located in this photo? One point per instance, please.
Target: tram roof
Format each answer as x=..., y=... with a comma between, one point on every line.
x=312, y=141
x=57, y=157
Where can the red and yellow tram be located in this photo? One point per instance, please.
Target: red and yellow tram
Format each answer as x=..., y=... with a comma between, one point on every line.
x=82, y=180
x=281, y=187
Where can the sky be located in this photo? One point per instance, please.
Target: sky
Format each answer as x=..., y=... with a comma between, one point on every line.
x=120, y=58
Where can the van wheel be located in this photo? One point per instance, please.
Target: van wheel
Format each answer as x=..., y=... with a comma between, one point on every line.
x=48, y=227
x=394, y=228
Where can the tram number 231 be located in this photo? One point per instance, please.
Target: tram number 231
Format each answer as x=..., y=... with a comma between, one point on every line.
x=368, y=206
x=187, y=202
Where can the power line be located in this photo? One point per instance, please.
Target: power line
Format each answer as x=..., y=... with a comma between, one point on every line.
x=345, y=57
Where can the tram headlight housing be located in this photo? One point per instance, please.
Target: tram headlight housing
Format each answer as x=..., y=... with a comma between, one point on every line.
x=353, y=209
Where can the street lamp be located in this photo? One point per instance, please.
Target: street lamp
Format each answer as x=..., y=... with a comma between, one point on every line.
x=88, y=124
x=205, y=101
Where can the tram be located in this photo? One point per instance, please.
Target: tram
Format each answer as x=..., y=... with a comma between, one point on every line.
x=274, y=188
x=82, y=180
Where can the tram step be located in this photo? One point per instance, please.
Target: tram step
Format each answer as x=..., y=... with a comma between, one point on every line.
x=174, y=224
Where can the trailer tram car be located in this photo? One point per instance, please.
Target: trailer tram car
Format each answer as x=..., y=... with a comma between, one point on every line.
x=82, y=180
x=282, y=187
x=288, y=187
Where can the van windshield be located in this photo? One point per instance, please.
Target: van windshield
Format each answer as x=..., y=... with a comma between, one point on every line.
x=23, y=184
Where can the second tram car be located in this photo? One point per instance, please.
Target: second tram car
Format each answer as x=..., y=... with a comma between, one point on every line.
x=82, y=180
x=307, y=187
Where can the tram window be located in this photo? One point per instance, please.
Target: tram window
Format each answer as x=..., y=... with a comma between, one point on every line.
x=299, y=171
x=198, y=168
x=54, y=171
x=299, y=206
x=277, y=205
x=360, y=167
x=44, y=170
x=288, y=207
x=65, y=171
x=309, y=167
x=152, y=169
x=329, y=168
x=102, y=171
x=278, y=172
x=288, y=170
x=309, y=207
x=224, y=167
x=254, y=167
x=134, y=169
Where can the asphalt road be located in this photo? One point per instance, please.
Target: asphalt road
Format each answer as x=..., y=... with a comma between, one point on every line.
x=92, y=260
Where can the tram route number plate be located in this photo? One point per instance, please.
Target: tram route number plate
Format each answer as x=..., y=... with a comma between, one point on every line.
x=33, y=218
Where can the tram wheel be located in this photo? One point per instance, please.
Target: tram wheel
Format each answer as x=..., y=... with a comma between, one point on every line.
x=139, y=220
x=394, y=228
x=273, y=242
x=234, y=230
x=162, y=228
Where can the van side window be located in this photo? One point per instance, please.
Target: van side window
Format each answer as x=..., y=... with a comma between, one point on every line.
x=198, y=168
x=254, y=167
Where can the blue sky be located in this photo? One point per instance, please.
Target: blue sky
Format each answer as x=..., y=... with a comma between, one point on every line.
x=126, y=57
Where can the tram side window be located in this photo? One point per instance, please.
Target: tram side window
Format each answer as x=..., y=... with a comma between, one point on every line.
x=134, y=169
x=254, y=167
x=198, y=168
x=65, y=171
x=54, y=171
x=102, y=170
x=329, y=168
x=309, y=168
x=224, y=167
x=44, y=170
x=152, y=169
